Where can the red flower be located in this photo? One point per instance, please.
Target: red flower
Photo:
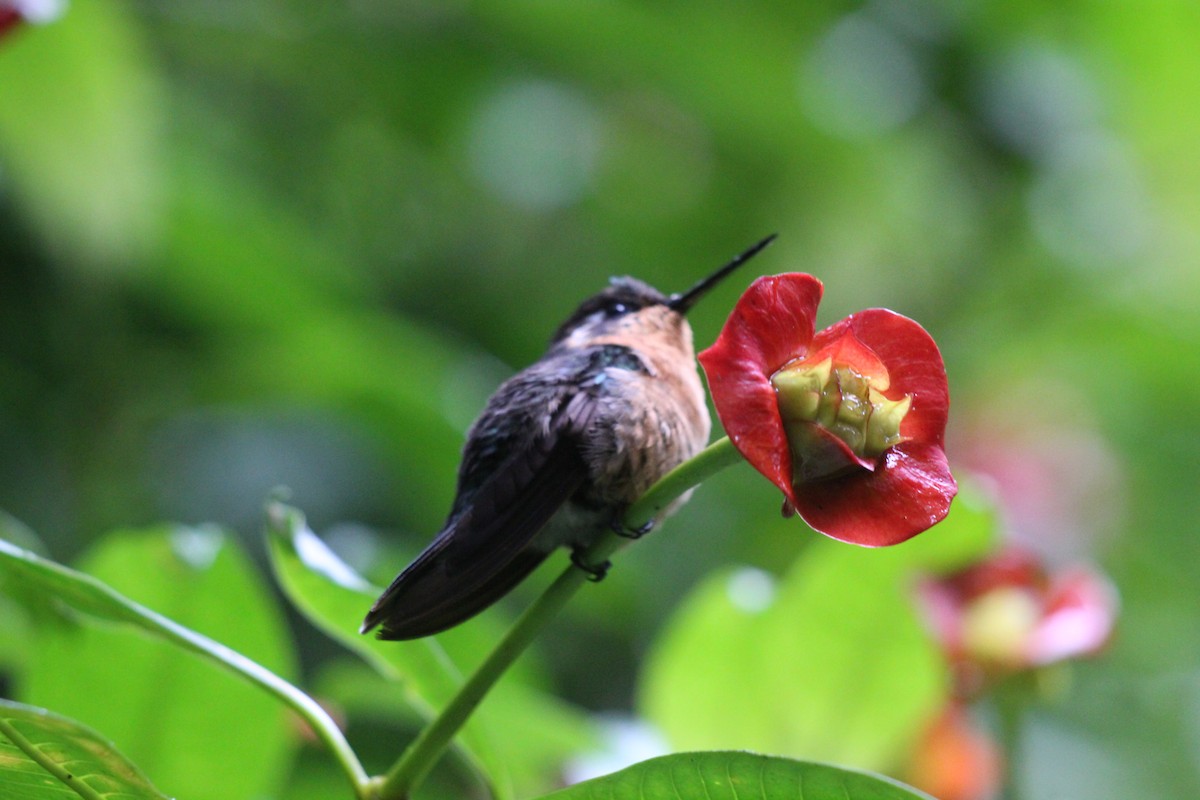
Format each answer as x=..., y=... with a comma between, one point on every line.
x=1007, y=614
x=848, y=422
x=14, y=11
x=9, y=17
x=955, y=760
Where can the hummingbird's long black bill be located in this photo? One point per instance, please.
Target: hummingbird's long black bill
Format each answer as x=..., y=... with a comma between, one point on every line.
x=683, y=302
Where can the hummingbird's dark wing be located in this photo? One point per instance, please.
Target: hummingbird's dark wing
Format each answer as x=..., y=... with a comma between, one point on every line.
x=522, y=462
x=483, y=552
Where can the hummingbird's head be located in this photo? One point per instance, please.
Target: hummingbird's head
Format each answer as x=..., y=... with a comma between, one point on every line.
x=630, y=311
x=627, y=307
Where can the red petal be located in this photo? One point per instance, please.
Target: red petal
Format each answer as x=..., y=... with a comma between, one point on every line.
x=913, y=487
x=839, y=343
x=1011, y=567
x=907, y=493
x=1080, y=611
x=914, y=365
x=824, y=454
x=771, y=324
x=9, y=17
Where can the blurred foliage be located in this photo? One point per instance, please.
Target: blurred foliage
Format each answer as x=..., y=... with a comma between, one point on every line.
x=165, y=707
x=264, y=242
x=832, y=661
x=520, y=731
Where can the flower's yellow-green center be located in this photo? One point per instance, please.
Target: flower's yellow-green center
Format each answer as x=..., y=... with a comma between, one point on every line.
x=996, y=627
x=842, y=402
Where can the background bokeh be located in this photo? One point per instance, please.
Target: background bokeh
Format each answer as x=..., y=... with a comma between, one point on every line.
x=252, y=243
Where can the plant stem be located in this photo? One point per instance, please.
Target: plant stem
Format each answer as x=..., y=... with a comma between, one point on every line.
x=322, y=725
x=423, y=753
x=1011, y=700
x=691, y=473
x=99, y=600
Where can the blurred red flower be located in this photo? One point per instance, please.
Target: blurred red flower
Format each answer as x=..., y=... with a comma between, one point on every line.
x=9, y=17
x=848, y=422
x=1007, y=614
x=14, y=11
x=955, y=760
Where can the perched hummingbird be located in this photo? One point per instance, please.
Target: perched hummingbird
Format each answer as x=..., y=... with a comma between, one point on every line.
x=560, y=451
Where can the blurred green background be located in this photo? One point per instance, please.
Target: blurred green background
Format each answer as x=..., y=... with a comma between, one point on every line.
x=251, y=243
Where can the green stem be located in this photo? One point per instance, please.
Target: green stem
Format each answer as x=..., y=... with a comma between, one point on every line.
x=423, y=753
x=323, y=726
x=691, y=473
x=1011, y=699
x=103, y=602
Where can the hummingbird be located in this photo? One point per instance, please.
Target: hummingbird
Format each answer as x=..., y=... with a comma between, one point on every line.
x=560, y=451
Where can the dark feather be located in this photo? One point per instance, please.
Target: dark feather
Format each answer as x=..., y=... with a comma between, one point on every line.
x=483, y=553
x=511, y=483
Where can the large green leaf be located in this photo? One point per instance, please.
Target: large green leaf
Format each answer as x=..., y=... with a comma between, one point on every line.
x=333, y=597
x=734, y=775
x=44, y=756
x=174, y=715
x=831, y=663
x=518, y=731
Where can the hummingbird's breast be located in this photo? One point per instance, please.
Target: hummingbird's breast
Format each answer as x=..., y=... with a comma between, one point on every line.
x=652, y=419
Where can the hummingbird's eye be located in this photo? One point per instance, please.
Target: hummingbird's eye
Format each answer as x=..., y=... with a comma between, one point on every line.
x=619, y=308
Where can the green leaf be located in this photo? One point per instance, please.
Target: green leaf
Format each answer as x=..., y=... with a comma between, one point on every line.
x=169, y=711
x=541, y=732
x=734, y=775
x=334, y=598
x=27, y=573
x=17, y=532
x=86, y=666
x=43, y=755
x=831, y=663
x=506, y=735
x=15, y=636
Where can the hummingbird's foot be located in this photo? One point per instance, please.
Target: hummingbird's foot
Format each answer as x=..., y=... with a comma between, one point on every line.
x=595, y=572
x=621, y=529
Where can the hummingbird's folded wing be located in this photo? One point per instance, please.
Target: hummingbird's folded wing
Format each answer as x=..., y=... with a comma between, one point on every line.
x=487, y=546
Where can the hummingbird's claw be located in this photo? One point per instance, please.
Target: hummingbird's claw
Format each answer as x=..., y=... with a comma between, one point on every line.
x=595, y=572
x=621, y=529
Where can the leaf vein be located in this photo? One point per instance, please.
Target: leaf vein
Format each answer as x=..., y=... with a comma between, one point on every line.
x=45, y=762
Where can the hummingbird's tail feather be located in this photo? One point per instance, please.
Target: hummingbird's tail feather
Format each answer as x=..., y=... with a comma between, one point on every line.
x=486, y=549
x=429, y=603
